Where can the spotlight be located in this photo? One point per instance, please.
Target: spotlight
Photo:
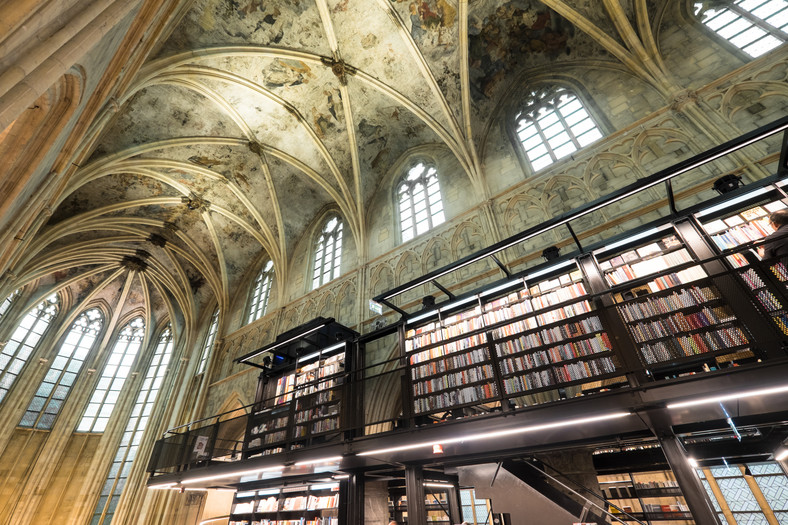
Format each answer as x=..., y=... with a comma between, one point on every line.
x=727, y=183
x=551, y=253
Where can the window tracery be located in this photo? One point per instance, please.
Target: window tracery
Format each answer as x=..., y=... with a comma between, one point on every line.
x=328, y=253
x=552, y=124
x=24, y=340
x=62, y=373
x=260, y=292
x=420, y=203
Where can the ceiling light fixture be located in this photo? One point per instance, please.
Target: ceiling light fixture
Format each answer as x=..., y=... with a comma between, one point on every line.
x=781, y=455
x=498, y=433
x=728, y=397
x=240, y=473
x=318, y=461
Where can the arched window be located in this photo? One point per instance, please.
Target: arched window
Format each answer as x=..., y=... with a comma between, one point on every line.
x=328, y=253
x=420, y=204
x=754, y=26
x=56, y=385
x=553, y=124
x=24, y=340
x=258, y=302
x=7, y=302
x=132, y=436
x=209, y=339
x=113, y=377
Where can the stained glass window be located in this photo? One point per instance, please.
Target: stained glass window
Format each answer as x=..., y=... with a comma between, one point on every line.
x=113, y=377
x=420, y=204
x=23, y=341
x=328, y=253
x=262, y=289
x=553, y=124
x=62, y=373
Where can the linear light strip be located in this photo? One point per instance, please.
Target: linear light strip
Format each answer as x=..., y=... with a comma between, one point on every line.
x=318, y=461
x=728, y=397
x=233, y=474
x=498, y=433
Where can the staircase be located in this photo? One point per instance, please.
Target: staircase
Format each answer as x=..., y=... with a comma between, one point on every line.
x=525, y=495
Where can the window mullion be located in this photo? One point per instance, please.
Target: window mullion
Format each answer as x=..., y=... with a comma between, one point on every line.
x=549, y=148
x=763, y=24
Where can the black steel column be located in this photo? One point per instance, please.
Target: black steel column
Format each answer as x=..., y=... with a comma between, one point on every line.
x=453, y=497
x=695, y=495
x=615, y=327
x=414, y=491
x=351, y=497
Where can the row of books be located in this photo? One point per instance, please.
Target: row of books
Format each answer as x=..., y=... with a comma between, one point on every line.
x=584, y=369
x=780, y=271
x=560, y=295
x=532, y=323
x=268, y=438
x=443, y=333
x=507, y=312
x=669, y=242
x=317, y=412
x=461, y=396
x=463, y=377
x=654, y=306
x=556, y=354
x=455, y=346
x=311, y=378
x=592, y=345
x=671, y=280
x=477, y=355
x=509, y=307
x=461, y=316
x=752, y=279
x=646, y=267
x=742, y=234
x=322, y=425
x=529, y=381
x=679, y=322
x=267, y=426
x=318, y=398
x=694, y=344
x=569, y=330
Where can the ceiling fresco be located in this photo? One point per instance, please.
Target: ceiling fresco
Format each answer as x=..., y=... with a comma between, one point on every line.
x=249, y=106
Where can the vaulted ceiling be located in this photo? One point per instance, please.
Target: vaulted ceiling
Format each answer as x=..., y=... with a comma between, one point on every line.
x=252, y=117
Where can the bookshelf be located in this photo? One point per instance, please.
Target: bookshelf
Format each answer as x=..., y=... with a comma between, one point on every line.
x=731, y=232
x=679, y=320
x=300, y=393
x=647, y=496
x=316, y=504
x=555, y=340
x=543, y=338
x=306, y=404
x=436, y=505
